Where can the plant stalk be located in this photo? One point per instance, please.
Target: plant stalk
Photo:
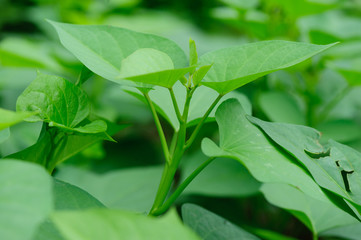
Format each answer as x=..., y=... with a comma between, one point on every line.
x=181, y=188
x=200, y=124
x=159, y=128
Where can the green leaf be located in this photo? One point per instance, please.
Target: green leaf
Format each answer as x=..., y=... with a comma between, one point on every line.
x=349, y=69
x=70, y=197
x=351, y=232
x=303, y=143
x=117, y=54
x=222, y=178
x=241, y=140
x=9, y=118
x=201, y=101
x=317, y=215
x=200, y=73
x=193, y=55
x=128, y=189
x=25, y=198
x=281, y=107
x=96, y=126
x=56, y=99
x=342, y=130
x=236, y=66
x=21, y=52
x=115, y=224
x=66, y=197
x=299, y=8
x=211, y=226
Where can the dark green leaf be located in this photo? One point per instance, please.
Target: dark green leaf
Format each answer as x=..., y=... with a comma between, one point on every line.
x=211, y=226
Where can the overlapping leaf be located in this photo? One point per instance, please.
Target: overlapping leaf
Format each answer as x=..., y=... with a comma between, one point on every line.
x=241, y=140
x=336, y=170
x=236, y=66
x=117, y=54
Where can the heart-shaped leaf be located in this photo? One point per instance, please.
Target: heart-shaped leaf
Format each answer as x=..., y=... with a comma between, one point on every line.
x=241, y=140
x=117, y=54
x=236, y=66
x=337, y=170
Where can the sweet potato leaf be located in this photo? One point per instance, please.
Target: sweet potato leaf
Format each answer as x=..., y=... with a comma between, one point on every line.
x=236, y=66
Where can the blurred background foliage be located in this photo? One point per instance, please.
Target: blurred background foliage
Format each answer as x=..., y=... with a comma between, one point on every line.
x=323, y=92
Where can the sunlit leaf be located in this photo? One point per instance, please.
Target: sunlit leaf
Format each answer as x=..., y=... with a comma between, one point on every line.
x=117, y=54
x=236, y=66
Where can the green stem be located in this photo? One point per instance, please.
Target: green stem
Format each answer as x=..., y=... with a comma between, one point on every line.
x=171, y=168
x=181, y=188
x=201, y=122
x=328, y=108
x=159, y=127
x=175, y=104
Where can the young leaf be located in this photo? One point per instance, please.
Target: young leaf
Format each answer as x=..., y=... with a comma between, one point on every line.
x=9, y=118
x=26, y=198
x=236, y=66
x=117, y=54
x=56, y=100
x=240, y=140
x=193, y=55
x=211, y=226
x=339, y=172
x=109, y=224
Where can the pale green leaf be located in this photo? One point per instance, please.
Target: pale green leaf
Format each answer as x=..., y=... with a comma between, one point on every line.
x=117, y=54
x=211, y=226
x=236, y=66
x=241, y=140
x=9, y=118
x=119, y=225
x=25, y=198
